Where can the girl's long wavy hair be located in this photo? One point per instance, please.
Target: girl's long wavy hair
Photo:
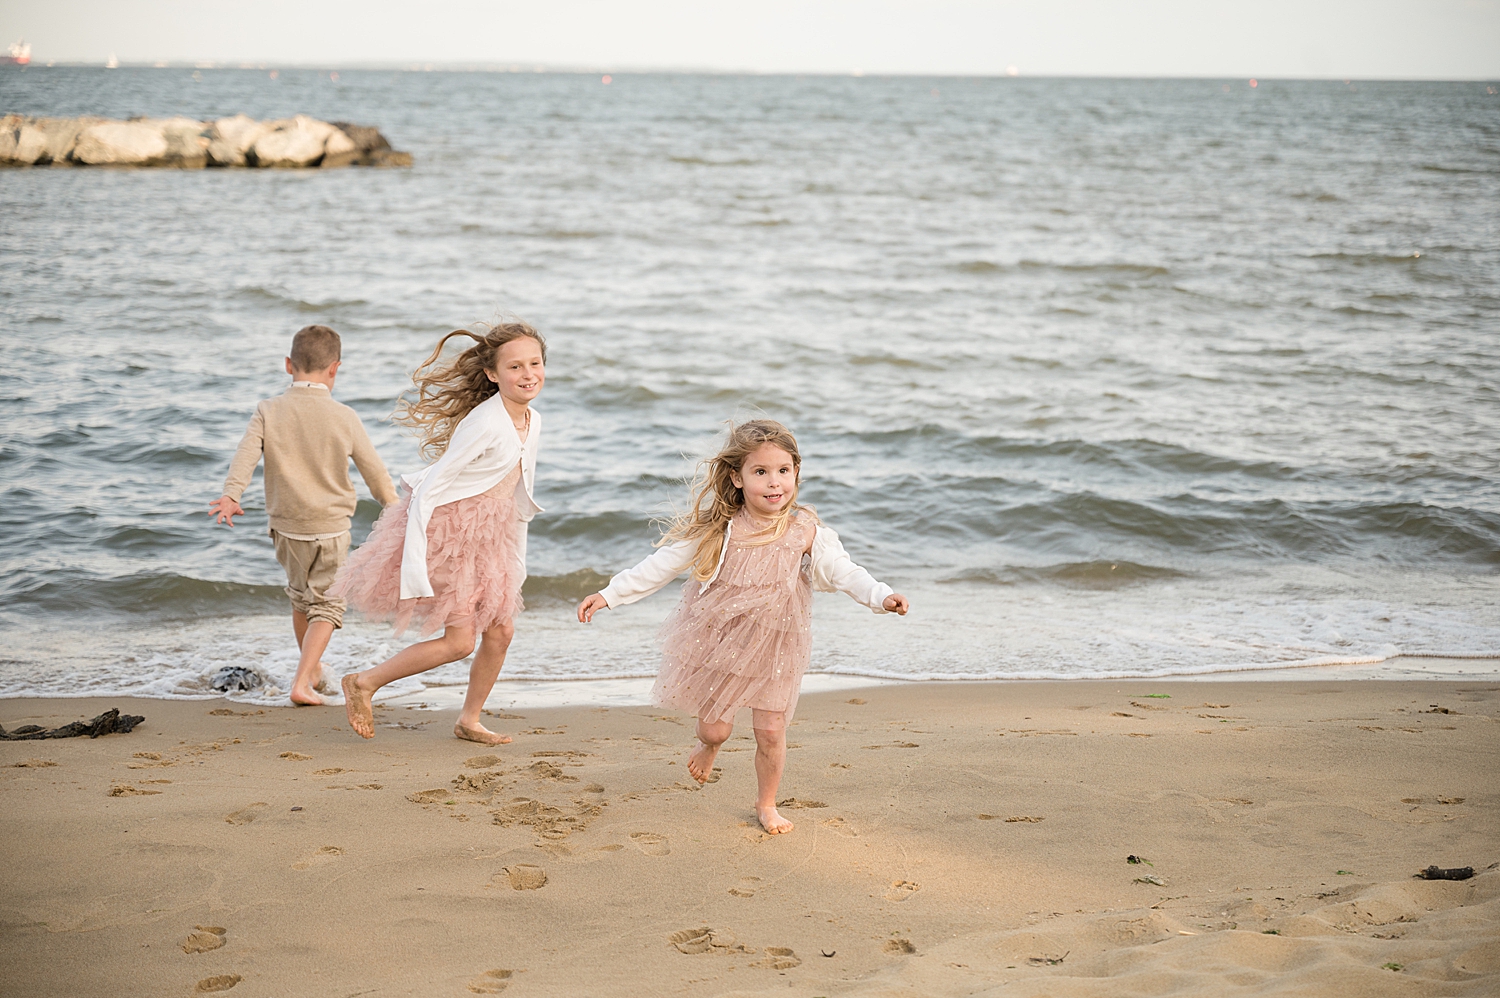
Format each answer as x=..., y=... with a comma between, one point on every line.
x=446, y=393
x=716, y=498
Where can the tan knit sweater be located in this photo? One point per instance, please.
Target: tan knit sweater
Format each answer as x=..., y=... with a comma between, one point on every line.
x=307, y=439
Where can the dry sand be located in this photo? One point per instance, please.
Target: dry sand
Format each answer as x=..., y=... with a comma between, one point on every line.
x=951, y=840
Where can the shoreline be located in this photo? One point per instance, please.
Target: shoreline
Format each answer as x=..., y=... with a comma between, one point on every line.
x=952, y=839
x=635, y=691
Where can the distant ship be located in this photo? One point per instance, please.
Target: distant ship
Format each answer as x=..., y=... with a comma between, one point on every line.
x=112, y=63
x=20, y=54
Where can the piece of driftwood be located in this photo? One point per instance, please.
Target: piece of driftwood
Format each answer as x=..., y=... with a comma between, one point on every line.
x=1438, y=873
x=108, y=723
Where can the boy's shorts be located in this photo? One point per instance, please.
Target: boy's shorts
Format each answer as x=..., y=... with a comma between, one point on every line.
x=310, y=567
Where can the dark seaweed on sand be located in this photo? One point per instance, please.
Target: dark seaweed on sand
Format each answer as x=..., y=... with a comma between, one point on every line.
x=108, y=723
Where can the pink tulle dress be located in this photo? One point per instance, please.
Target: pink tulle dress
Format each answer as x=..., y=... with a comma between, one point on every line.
x=747, y=639
x=473, y=562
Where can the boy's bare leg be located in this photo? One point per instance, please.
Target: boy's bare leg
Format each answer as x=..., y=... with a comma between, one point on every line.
x=711, y=734
x=770, y=760
x=488, y=661
x=359, y=687
x=313, y=641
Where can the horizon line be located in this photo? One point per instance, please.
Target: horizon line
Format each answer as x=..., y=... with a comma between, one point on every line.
x=517, y=68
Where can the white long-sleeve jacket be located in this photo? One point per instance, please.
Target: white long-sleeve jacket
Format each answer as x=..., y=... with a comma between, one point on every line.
x=482, y=451
x=832, y=571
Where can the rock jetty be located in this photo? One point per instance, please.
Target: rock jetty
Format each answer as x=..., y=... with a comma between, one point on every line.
x=185, y=143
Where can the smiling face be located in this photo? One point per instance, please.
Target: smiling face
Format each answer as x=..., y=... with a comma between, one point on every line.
x=519, y=370
x=768, y=479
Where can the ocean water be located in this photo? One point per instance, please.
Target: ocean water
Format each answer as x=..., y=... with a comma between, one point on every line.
x=1111, y=378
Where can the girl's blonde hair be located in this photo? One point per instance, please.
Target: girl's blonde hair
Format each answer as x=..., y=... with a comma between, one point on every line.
x=446, y=394
x=716, y=498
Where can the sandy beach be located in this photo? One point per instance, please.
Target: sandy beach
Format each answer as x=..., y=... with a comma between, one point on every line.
x=952, y=839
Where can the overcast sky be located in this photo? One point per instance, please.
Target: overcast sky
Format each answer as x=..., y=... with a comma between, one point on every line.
x=1442, y=39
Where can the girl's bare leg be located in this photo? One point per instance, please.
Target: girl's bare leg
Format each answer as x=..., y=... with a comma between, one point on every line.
x=482, y=675
x=359, y=687
x=770, y=760
x=711, y=734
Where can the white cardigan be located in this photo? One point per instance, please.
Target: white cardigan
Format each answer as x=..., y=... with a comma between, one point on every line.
x=482, y=451
x=832, y=571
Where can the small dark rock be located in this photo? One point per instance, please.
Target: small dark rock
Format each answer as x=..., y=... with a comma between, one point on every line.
x=236, y=677
x=1438, y=873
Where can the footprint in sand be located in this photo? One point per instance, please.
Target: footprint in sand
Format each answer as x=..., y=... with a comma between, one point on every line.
x=839, y=825
x=746, y=888
x=32, y=764
x=482, y=761
x=793, y=803
x=491, y=982
x=1028, y=818
x=902, y=889
x=524, y=877
x=650, y=843
x=322, y=855
x=899, y=947
x=295, y=756
x=778, y=958
x=126, y=790
x=219, y=982
x=439, y=796
x=594, y=788
x=331, y=771
x=204, y=938
x=705, y=940
x=246, y=814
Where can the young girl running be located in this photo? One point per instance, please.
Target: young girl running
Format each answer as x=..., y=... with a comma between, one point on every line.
x=741, y=635
x=451, y=554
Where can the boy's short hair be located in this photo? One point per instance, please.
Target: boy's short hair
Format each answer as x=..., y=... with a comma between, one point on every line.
x=314, y=348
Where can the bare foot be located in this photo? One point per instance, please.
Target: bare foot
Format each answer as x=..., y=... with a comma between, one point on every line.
x=701, y=762
x=304, y=697
x=357, y=703
x=479, y=733
x=772, y=821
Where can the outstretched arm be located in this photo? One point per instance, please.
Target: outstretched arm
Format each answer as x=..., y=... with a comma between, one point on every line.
x=834, y=571
x=371, y=468
x=246, y=456
x=651, y=574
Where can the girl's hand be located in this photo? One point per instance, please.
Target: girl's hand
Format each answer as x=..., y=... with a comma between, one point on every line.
x=895, y=603
x=592, y=605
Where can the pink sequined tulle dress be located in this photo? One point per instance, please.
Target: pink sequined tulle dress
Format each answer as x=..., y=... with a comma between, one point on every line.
x=747, y=639
x=473, y=562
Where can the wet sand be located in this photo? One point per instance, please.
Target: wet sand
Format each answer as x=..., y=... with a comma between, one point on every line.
x=951, y=840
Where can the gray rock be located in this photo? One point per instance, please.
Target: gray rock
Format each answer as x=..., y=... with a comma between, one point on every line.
x=188, y=143
x=121, y=143
x=236, y=677
x=231, y=138
x=38, y=141
x=298, y=142
x=339, y=150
